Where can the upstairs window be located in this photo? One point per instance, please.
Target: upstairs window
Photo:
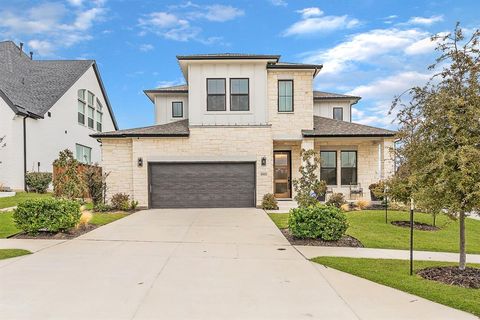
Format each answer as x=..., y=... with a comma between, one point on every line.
x=81, y=106
x=91, y=110
x=349, y=167
x=83, y=153
x=216, y=96
x=328, y=167
x=285, y=95
x=338, y=114
x=177, y=109
x=239, y=95
x=99, y=116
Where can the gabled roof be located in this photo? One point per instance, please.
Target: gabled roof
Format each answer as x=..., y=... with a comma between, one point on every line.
x=172, y=129
x=318, y=95
x=32, y=87
x=183, y=89
x=326, y=127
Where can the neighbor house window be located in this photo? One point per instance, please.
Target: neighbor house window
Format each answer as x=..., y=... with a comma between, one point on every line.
x=81, y=106
x=177, y=109
x=328, y=167
x=338, y=114
x=349, y=167
x=216, y=96
x=83, y=153
x=285, y=95
x=91, y=109
x=239, y=95
x=99, y=116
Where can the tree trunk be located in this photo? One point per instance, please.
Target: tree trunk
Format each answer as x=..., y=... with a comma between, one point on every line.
x=463, y=256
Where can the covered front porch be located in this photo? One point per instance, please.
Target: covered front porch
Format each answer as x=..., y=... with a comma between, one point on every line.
x=352, y=157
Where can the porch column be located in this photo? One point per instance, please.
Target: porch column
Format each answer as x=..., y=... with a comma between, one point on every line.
x=388, y=158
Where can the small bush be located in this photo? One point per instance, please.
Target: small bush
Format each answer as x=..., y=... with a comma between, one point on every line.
x=325, y=222
x=133, y=205
x=102, y=207
x=38, y=181
x=377, y=190
x=121, y=201
x=345, y=207
x=362, y=204
x=53, y=215
x=84, y=220
x=95, y=182
x=269, y=202
x=336, y=200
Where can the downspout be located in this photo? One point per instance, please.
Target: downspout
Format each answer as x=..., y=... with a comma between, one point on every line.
x=25, y=153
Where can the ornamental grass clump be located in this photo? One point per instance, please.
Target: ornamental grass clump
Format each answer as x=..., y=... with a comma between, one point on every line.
x=318, y=222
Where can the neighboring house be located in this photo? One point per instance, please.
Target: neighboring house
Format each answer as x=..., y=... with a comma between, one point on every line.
x=47, y=106
x=234, y=133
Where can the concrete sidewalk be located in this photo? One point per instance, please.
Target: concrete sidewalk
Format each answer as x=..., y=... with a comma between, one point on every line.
x=312, y=252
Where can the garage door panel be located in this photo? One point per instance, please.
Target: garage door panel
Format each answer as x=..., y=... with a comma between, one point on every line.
x=187, y=185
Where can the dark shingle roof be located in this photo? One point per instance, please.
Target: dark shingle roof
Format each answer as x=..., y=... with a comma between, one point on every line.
x=330, y=95
x=174, y=89
x=292, y=65
x=172, y=129
x=229, y=55
x=33, y=86
x=326, y=127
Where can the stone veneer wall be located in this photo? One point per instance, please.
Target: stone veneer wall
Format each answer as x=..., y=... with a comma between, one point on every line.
x=204, y=144
x=288, y=125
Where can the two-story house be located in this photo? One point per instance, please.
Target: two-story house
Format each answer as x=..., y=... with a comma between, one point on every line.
x=47, y=106
x=234, y=132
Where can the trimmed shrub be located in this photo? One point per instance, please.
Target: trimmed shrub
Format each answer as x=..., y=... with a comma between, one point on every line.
x=53, y=215
x=102, y=207
x=269, y=202
x=377, y=190
x=324, y=222
x=336, y=200
x=38, y=181
x=121, y=201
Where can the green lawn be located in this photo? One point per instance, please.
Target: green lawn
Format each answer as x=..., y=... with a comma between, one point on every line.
x=20, y=197
x=10, y=253
x=395, y=273
x=7, y=227
x=370, y=228
x=100, y=219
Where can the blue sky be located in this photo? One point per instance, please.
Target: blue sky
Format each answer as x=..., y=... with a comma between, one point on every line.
x=374, y=49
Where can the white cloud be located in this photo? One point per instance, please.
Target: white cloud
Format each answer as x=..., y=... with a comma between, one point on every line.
x=43, y=48
x=310, y=12
x=423, y=46
x=178, y=23
x=279, y=3
x=51, y=24
x=425, y=20
x=313, y=21
x=146, y=47
x=77, y=3
x=363, y=47
x=221, y=13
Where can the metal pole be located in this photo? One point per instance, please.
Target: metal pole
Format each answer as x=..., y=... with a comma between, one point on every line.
x=386, y=208
x=411, y=236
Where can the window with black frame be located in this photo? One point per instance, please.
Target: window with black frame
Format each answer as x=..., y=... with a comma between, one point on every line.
x=285, y=95
x=338, y=114
x=328, y=167
x=349, y=167
x=239, y=95
x=177, y=109
x=216, y=96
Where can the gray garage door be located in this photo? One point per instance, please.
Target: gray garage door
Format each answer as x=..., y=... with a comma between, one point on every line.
x=202, y=185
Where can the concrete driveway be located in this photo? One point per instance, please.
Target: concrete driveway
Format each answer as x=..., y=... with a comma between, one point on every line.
x=188, y=264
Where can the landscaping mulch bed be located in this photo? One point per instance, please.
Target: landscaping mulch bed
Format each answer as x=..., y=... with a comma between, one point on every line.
x=345, y=241
x=416, y=225
x=56, y=236
x=468, y=278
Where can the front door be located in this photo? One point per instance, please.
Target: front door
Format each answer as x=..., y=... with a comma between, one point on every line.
x=282, y=174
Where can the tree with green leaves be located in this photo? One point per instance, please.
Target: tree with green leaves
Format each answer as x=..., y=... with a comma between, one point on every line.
x=440, y=131
x=308, y=187
x=68, y=182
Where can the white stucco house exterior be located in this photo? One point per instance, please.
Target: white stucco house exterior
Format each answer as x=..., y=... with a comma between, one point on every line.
x=47, y=106
x=234, y=132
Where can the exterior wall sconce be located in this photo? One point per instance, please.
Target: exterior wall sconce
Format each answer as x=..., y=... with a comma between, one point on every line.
x=264, y=161
x=140, y=162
